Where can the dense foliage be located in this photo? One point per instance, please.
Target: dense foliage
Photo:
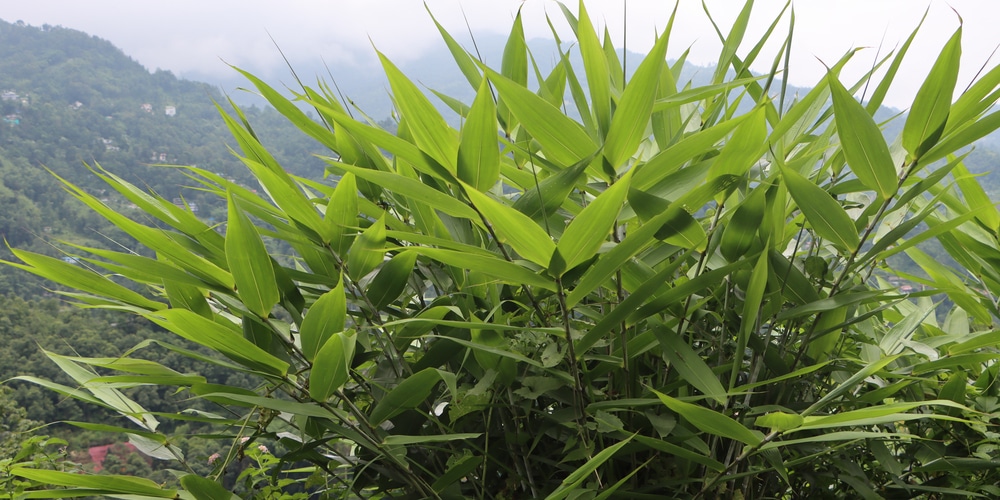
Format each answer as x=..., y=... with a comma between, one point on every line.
x=70, y=99
x=666, y=297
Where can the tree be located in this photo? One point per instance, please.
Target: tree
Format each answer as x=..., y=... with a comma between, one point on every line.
x=667, y=297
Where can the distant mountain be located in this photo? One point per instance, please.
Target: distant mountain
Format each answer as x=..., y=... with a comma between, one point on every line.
x=68, y=99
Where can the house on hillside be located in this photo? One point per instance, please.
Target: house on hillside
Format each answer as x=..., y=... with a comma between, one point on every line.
x=170, y=110
x=9, y=95
x=147, y=107
x=96, y=455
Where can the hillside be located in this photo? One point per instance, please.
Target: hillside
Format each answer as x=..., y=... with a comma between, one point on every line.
x=69, y=99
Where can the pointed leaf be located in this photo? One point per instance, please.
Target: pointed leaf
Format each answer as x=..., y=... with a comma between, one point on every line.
x=391, y=279
x=108, y=483
x=342, y=214
x=710, y=421
x=590, y=229
x=689, y=365
x=250, y=263
x=368, y=250
x=932, y=104
x=326, y=316
x=412, y=391
x=863, y=143
x=595, y=65
x=331, y=369
x=227, y=341
x=431, y=133
x=826, y=216
x=628, y=127
x=563, y=140
x=514, y=228
x=479, y=151
x=573, y=480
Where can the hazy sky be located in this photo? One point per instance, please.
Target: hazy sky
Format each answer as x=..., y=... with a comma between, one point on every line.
x=192, y=37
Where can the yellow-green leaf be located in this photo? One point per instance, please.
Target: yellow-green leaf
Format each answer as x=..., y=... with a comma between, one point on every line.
x=250, y=263
x=431, y=133
x=327, y=316
x=628, y=126
x=862, y=142
x=824, y=214
x=710, y=421
x=932, y=104
x=479, y=151
x=367, y=251
x=227, y=341
x=590, y=229
x=331, y=369
x=342, y=214
x=391, y=279
x=514, y=228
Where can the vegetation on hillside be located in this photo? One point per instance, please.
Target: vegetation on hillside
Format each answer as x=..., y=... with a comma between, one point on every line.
x=665, y=298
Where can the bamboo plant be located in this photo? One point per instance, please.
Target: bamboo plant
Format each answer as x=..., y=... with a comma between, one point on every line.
x=603, y=283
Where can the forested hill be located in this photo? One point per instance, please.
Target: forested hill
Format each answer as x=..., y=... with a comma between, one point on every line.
x=70, y=99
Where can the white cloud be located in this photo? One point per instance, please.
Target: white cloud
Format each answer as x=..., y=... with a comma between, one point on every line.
x=188, y=36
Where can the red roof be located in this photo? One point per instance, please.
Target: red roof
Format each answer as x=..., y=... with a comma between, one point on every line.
x=99, y=453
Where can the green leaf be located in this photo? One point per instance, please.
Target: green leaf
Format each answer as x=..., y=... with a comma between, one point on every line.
x=391, y=279
x=82, y=279
x=437, y=438
x=206, y=489
x=689, y=365
x=563, y=140
x=227, y=341
x=342, y=214
x=976, y=198
x=590, y=228
x=862, y=142
x=281, y=405
x=751, y=310
x=368, y=250
x=411, y=188
x=250, y=263
x=118, y=484
x=581, y=473
x=479, y=151
x=849, y=384
x=514, y=228
x=710, y=421
x=595, y=65
x=462, y=58
x=779, y=421
x=542, y=200
x=503, y=271
x=744, y=148
x=628, y=126
x=931, y=106
x=741, y=231
x=983, y=339
x=431, y=132
x=331, y=369
x=327, y=316
x=826, y=216
x=513, y=65
x=412, y=391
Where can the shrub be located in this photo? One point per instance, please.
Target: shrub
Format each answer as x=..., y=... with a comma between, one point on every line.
x=682, y=293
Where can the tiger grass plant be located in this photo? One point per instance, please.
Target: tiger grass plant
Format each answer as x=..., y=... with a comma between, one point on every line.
x=604, y=283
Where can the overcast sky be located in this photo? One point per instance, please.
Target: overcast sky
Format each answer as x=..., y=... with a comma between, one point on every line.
x=192, y=37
